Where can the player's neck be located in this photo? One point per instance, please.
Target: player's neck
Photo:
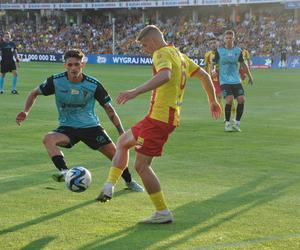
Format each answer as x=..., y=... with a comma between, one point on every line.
x=229, y=46
x=74, y=78
x=162, y=44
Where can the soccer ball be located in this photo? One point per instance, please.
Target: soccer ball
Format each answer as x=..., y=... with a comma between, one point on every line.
x=78, y=179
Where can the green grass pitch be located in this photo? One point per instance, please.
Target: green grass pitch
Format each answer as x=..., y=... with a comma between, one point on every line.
x=226, y=190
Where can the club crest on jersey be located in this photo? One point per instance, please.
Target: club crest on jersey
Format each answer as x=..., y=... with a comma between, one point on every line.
x=140, y=142
x=75, y=92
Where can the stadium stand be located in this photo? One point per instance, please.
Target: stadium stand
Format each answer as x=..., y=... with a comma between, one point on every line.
x=263, y=33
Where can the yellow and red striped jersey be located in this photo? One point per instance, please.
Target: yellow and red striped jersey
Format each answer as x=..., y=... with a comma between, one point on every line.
x=166, y=100
x=208, y=59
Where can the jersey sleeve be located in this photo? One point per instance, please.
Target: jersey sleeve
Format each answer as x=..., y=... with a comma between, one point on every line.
x=192, y=67
x=101, y=95
x=161, y=60
x=47, y=87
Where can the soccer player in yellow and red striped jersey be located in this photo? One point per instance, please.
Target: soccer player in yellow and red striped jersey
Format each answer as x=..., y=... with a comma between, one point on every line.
x=171, y=69
x=213, y=44
x=247, y=60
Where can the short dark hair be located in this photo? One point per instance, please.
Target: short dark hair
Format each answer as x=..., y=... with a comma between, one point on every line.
x=77, y=53
x=212, y=39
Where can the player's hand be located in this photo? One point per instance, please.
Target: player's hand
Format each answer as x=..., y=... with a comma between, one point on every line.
x=250, y=81
x=125, y=96
x=21, y=117
x=215, y=109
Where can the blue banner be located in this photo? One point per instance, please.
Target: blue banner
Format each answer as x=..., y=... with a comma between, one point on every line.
x=128, y=60
x=119, y=59
x=261, y=62
x=293, y=62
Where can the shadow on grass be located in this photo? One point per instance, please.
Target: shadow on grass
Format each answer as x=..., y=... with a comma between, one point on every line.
x=39, y=243
x=51, y=216
x=21, y=182
x=34, y=179
x=194, y=218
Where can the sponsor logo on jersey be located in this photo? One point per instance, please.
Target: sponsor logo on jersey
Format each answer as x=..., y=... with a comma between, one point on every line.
x=75, y=92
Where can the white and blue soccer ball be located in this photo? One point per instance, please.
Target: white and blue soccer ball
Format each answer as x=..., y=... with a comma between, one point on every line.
x=78, y=179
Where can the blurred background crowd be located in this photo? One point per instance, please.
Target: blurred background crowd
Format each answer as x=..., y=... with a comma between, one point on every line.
x=263, y=33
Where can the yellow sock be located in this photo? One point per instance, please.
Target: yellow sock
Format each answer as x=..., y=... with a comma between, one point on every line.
x=158, y=201
x=114, y=175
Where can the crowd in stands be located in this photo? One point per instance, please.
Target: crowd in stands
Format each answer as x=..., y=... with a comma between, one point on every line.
x=262, y=35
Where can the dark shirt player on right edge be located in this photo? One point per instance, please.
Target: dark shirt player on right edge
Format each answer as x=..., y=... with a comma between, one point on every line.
x=8, y=62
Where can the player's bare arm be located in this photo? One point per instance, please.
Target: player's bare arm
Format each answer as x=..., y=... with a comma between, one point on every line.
x=28, y=104
x=206, y=82
x=248, y=72
x=159, y=79
x=113, y=116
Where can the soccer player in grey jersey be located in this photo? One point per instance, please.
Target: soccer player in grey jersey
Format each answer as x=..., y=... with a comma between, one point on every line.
x=75, y=95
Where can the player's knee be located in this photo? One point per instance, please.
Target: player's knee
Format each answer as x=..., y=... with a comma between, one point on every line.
x=229, y=100
x=48, y=140
x=124, y=142
x=241, y=100
x=120, y=142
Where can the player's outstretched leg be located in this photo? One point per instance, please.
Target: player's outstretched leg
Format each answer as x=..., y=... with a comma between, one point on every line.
x=109, y=150
x=60, y=164
x=107, y=191
x=51, y=140
x=60, y=176
x=119, y=164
